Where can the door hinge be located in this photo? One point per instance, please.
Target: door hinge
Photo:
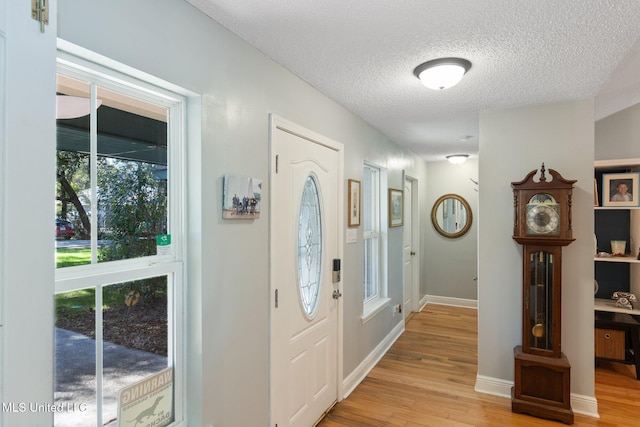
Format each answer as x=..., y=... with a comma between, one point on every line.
x=276, y=298
x=40, y=12
x=277, y=161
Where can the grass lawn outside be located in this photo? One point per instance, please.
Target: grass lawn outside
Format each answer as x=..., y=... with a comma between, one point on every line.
x=68, y=257
x=82, y=299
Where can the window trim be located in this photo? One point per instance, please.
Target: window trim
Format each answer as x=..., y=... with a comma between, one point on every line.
x=378, y=303
x=77, y=62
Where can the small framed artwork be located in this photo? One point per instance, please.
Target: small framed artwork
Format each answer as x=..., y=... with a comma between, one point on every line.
x=354, y=203
x=621, y=189
x=241, y=197
x=396, y=207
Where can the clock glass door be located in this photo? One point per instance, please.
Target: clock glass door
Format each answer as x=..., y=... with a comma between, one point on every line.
x=540, y=304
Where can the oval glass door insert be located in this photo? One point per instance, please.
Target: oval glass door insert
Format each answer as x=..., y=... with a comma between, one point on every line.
x=309, y=247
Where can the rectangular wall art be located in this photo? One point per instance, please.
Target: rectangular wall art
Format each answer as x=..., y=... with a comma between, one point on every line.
x=241, y=197
x=396, y=206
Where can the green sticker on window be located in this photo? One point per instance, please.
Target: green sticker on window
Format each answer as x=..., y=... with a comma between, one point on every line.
x=163, y=239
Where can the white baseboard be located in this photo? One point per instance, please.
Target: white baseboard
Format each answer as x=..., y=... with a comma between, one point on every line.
x=457, y=302
x=580, y=404
x=362, y=370
x=493, y=386
x=422, y=303
x=584, y=405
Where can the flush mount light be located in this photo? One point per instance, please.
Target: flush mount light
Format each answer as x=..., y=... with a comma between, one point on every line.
x=73, y=107
x=457, y=159
x=442, y=73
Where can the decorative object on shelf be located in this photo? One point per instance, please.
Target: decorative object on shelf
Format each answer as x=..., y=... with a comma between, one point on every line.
x=396, y=207
x=241, y=197
x=624, y=299
x=354, y=203
x=621, y=189
x=451, y=216
x=596, y=287
x=618, y=247
x=542, y=224
x=595, y=193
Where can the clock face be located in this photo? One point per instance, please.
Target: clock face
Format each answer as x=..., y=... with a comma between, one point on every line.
x=543, y=217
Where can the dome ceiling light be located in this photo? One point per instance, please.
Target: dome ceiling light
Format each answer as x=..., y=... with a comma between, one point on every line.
x=442, y=73
x=457, y=159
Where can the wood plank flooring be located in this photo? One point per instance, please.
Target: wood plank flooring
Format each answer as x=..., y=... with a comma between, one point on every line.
x=428, y=375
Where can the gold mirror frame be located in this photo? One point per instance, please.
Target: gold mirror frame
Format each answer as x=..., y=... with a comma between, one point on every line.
x=434, y=219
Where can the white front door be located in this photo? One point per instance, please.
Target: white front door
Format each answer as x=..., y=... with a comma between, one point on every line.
x=306, y=201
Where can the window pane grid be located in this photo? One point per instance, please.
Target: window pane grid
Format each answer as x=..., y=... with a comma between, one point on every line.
x=124, y=165
x=371, y=228
x=371, y=270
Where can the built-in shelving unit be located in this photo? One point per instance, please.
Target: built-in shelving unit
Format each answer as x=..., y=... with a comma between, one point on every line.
x=610, y=305
x=616, y=273
x=623, y=259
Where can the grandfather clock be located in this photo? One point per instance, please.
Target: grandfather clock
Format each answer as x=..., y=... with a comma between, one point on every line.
x=542, y=224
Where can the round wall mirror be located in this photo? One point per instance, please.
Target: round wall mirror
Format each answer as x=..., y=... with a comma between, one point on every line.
x=451, y=216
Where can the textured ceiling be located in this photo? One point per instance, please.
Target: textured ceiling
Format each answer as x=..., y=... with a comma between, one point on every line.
x=362, y=55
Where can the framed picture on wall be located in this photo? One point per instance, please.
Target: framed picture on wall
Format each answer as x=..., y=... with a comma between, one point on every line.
x=621, y=189
x=396, y=207
x=241, y=197
x=354, y=203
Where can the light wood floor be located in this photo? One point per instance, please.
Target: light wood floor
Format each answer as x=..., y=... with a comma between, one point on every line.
x=428, y=375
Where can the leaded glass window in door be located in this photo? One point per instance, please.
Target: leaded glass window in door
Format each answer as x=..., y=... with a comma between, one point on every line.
x=309, y=247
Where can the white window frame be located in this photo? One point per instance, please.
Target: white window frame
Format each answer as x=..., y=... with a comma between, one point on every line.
x=376, y=208
x=102, y=72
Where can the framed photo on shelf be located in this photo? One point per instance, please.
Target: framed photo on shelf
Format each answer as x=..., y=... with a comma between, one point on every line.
x=396, y=207
x=621, y=189
x=354, y=203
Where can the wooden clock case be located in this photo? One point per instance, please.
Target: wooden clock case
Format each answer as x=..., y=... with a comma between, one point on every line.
x=542, y=380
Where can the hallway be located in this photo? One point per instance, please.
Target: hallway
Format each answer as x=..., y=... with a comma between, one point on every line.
x=427, y=379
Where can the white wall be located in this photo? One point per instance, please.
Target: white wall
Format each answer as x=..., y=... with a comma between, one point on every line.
x=228, y=287
x=618, y=135
x=512, y=143
x=452, y=264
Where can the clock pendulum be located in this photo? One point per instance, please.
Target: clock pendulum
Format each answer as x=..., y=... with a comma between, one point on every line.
x=542, y=224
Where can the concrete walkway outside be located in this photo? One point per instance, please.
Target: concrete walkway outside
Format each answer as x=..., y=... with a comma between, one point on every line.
x=75, y=388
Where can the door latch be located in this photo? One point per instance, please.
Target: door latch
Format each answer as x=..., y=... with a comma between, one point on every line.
x=336, y=294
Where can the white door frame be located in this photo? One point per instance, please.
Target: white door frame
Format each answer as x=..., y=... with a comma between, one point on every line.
x=275, y=123
x=415, y=239
x=28, y=148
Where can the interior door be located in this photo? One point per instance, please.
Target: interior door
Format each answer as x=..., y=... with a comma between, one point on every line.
x=408, y=252
x=305, y=207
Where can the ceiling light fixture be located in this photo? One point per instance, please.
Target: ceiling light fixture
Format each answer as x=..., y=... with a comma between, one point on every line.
x=442, y=73
x=73, y=107
x=457, y=159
